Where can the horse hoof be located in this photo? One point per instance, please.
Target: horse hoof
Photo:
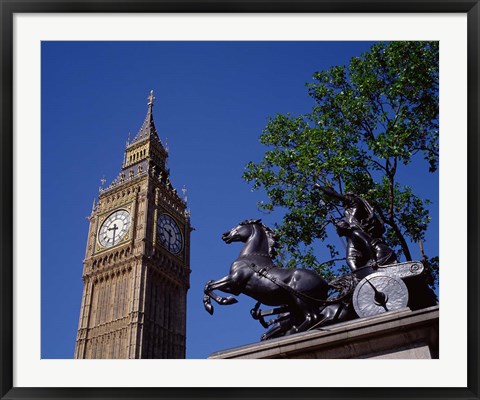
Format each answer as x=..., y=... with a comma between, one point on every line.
x=292, y=331
x=209, y=308
x=229, y=300
x=263, y=337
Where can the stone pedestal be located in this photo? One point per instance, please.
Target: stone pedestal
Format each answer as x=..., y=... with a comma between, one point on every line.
x=402, y=334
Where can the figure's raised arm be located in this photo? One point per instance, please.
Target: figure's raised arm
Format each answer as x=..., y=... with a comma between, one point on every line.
x=330, y=192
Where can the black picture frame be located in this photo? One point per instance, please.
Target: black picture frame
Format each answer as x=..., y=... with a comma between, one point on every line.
x=11, y=7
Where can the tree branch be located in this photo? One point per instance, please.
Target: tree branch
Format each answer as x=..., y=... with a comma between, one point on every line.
x=398, y=233
x=377, y=163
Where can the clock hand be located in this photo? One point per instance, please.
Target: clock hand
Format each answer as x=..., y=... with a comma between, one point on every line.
x=380, y=297
x=170, y=238
x=114, y=228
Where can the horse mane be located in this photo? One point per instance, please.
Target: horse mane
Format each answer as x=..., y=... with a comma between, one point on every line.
x=272, y=238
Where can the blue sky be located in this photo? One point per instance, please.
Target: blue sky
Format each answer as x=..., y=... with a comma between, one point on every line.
x=212, y=102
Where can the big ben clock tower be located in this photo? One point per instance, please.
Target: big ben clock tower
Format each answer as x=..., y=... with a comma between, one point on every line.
x=137, y=263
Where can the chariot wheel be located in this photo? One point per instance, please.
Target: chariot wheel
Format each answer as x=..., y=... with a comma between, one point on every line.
x=379, y=293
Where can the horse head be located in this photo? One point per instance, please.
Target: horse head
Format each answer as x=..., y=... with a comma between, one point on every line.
x=241, y=232
x=250, y=229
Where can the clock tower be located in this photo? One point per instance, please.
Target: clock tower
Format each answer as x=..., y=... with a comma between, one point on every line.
x=137, y=263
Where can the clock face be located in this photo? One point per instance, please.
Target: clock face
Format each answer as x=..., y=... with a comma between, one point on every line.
x=378, y=293
x=169, y=233
x=114, y=228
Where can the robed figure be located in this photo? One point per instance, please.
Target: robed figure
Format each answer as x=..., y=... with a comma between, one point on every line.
x=363, y=229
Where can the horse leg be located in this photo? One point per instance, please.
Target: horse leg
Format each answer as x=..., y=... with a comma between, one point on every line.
x=306, y=323
x=306, y=318
x=261, y=314
x=257, y=313
x=223, y=284
x=279, y=318
x=324, y=315
x=282, y=324
x=208, y=292
x=331, y=314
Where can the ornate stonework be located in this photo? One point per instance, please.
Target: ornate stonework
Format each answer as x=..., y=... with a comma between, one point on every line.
x=135, y=286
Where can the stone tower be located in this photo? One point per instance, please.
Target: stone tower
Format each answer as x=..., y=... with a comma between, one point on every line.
x=137, y=263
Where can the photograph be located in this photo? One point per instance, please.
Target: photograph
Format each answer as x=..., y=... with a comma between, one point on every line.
x=232, y=200
x=320, y=172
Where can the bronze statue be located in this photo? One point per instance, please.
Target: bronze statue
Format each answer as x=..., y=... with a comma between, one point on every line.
x=363, y=230
x=304, y=300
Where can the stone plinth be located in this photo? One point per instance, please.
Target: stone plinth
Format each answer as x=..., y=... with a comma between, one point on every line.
x=402, y=334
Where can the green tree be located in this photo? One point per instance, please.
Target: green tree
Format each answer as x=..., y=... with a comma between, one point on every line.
x=368, y=120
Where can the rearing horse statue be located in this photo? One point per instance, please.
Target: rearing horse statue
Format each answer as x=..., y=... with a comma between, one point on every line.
x=297, y=291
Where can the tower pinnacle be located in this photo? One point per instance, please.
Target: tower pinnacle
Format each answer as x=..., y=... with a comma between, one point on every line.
x=151, y=98
x=148, y=127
